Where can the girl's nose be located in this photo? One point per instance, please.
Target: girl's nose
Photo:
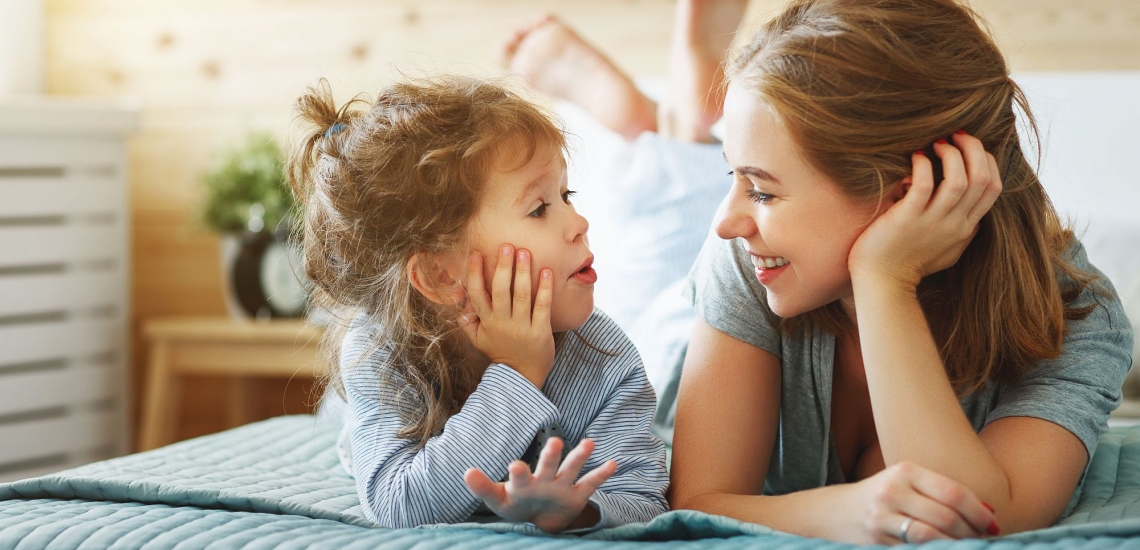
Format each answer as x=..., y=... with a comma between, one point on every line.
x=733, y=217
x=578, y=227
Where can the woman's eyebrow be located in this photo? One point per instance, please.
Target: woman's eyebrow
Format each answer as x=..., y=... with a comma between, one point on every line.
x=754, y=171
x=758, y=172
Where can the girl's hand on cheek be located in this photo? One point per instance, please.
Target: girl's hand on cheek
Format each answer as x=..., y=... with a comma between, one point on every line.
x=928, y=229
x=929, y=505
x=549, y=498
x=507, y=328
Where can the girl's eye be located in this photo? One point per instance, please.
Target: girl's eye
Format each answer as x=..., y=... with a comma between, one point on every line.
x=759, y=197
x=566, y=196
x=539, y=212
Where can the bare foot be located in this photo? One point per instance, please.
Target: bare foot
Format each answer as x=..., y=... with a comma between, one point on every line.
x=555, y=60
x=702, y=32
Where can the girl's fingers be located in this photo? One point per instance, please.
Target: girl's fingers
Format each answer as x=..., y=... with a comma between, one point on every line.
x=922, y=184
x=501, y=284
x=548, y=460
x=469, y=324
x=989, y=195
x=958, y=498
x=482, y=487
x=519, y=474
x=575, y=460
x=954, y=182
x=521, y=306
x=541, y=315
x=596, y=477
x=476, y=286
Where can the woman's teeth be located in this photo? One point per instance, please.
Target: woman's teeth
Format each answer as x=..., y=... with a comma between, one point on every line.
x=768, y=262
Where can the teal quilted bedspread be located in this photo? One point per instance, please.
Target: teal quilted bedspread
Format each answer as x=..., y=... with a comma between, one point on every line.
x=278, y=484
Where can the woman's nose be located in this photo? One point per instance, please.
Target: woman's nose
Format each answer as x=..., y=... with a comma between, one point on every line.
x=733, y=218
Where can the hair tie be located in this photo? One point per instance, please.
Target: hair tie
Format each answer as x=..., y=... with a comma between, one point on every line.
x=334, y=129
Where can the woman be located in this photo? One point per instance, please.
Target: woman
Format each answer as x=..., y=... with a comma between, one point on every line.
x=897, y=340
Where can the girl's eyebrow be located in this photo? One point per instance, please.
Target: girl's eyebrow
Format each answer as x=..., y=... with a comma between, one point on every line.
x=529, y=187
x=754, y=171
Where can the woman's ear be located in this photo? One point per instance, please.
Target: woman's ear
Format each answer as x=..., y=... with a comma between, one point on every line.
x=900, y=190
x=436, y=278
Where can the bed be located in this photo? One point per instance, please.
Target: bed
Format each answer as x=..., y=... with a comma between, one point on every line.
x=278, y=483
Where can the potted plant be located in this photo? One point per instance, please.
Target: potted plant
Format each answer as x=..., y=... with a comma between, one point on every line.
x=248, y=203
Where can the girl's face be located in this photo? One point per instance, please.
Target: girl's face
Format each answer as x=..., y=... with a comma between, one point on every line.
x=799, y=227
x=529, y=208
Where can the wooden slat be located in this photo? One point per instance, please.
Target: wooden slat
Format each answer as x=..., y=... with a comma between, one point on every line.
x=75, y=385
x=36, y=471
x=58, y=244
x=67, y=291
x=75, y=433
x=62, y=197
x=69, y=152
x=50, y=341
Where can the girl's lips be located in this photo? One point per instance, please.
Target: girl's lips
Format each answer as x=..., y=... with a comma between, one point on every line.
x=586, y=276
x=768, y=274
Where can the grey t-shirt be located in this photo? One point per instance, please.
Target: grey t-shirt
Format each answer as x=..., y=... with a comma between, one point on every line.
x=1077, y=390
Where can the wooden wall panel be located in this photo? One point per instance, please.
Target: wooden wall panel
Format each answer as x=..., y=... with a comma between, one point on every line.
x=208, y=71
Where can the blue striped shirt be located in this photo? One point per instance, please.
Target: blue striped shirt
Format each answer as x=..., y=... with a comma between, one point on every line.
x=606, y=398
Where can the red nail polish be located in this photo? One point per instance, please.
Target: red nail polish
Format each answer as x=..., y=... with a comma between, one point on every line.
x=993, y=530
x=920, y=153
x=961, y=132
x=942, y=141
x=988, y=507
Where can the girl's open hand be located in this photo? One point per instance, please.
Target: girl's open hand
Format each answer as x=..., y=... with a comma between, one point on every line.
x=907, y=503
x=549, y=498
x=927, y=230
x=509, y=330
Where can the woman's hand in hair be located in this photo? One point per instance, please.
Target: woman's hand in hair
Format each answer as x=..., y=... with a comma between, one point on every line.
x=928, y=226
x=552, y=498
x=937, y=507
x=509, y=329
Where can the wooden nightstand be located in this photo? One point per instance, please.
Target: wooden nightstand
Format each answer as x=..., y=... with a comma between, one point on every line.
x=218, y=346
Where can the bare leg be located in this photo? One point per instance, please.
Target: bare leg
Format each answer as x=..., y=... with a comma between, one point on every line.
x=557, y=61
x=702, y=32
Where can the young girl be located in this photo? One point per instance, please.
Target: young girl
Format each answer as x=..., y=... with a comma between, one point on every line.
x=897, y=338
x=450, y=386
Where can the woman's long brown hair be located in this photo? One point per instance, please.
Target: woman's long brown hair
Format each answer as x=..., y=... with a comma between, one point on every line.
x=380, y=181
x=861, y=84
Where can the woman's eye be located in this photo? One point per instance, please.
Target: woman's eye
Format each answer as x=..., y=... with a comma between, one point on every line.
x=759, y=197
x=539, y=212
x=566, y=196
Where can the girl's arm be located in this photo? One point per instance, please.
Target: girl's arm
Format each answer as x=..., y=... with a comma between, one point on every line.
x=404, y=486
x=727, y=417
x=621, y=432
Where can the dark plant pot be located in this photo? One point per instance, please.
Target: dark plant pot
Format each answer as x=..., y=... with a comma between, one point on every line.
x=263, y=275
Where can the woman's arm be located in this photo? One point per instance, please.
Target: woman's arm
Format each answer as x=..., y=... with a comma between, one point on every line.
x=728, y=409
x=1026, y=468
x=727, y=415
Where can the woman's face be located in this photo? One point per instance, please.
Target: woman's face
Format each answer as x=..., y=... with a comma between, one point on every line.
x=799, y=227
